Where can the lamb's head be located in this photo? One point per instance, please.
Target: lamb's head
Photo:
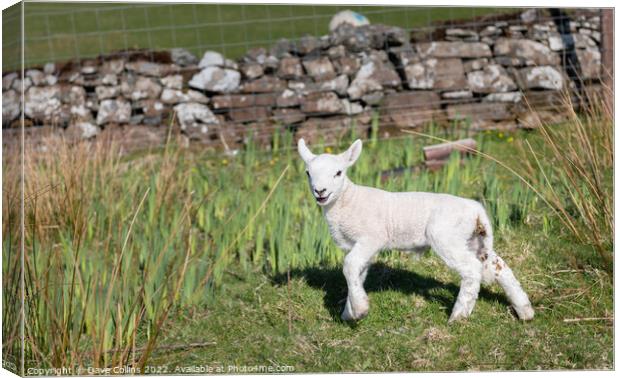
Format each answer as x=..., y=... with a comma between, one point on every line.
x=326, y=172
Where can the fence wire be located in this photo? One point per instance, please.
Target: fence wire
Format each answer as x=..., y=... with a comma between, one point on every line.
x=62, y=31
x=57, y=32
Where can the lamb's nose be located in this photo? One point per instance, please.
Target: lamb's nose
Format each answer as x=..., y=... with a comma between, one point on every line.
x=320, y=192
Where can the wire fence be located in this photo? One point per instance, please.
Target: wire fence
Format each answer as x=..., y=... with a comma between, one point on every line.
x=56, y=32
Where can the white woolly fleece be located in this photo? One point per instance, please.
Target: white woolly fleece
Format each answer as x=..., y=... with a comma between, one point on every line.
x=364, y=221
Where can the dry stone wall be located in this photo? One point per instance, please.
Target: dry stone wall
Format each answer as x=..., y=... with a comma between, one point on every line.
x=320, y=87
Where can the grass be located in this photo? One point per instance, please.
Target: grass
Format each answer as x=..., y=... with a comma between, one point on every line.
x=61, y=31
x=139, y=260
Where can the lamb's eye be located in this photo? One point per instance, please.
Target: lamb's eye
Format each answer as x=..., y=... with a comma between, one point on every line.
x=338, y=173
x=308, y=174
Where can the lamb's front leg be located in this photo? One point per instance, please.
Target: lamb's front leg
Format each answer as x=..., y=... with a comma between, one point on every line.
x=355, y=266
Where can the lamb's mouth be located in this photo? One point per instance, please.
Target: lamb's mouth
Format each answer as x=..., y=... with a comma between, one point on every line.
x=322, y=200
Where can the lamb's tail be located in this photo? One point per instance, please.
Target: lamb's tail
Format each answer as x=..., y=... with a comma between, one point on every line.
x=495, y=269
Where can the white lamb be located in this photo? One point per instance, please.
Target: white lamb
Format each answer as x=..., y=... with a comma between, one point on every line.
x=364, y=221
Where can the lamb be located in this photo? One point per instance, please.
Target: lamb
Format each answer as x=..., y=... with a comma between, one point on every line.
x=363, y=221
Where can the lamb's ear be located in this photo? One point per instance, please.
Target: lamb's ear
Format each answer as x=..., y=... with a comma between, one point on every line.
x=353, y=152
x=304, y=152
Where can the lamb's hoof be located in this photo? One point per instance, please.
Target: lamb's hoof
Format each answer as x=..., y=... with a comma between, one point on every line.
x=457, y=316
x=350, y=318
x=525, y=312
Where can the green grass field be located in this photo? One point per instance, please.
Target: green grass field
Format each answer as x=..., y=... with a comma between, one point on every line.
x=139, y=261
x=61, y=31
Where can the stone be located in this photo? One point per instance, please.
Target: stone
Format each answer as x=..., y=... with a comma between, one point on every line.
x=80, y=112
x=175, y=96
x=243, y=101
x=490, y=31
x=454, y=50
x=332, y=129
x=583, y=41
x=255, y=55
x=104, y=91
x=82, y=130
x=115, y=67
x=149, y=68
x=113, y=111
x=335, y=52
x=339, y=85
x=251, y=71
x=7, y=80
x=476, y=111
x=212, y=59
x=410, y=109
x=263, y=85
x=347, y=17
x=289, y=98
x=474, y=64
x=321, y=103
x=526, y=49
x=529, y=16
x=173, y=81
x=182, y=57
x=320, y=69
x=195, y=119
x=11, y=106
x=255, y=113
x=442, y=74
x=458, y=34
x=49, y=68
x=42, y=103
x=373, y=76
x=17, y=84
x=545, y=77
x=37, y=77
x=457, y=94
x=513, y=97
x=351, y=108
x=490, y=80
x=346, y=65
x=589, y=63
x=140, y=88
x=282, y=48
x=508, y=61
x=290, y=68
x=308, y=45
x=89, y=68
x=373, y=98
x=215, y=79
x=72, y=94
x=109, y=79
x=271, y=64
x=288, y=116
x=539, y=32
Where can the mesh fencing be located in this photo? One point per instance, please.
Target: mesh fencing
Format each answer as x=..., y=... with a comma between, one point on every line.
x=60, y=32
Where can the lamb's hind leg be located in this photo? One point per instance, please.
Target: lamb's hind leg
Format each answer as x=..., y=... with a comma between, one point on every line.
x=455, y=253
x=495, y=269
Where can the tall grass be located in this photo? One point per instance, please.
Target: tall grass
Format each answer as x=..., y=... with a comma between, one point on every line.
x=572, y=168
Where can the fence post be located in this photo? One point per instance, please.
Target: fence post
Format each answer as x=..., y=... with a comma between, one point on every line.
x=607, y=51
